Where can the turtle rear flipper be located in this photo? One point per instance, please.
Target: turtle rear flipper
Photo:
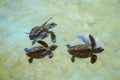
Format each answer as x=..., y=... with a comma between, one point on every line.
x=43, y=43
x=73, y=59
x=53, y=37
x=92, y=41
x=50, y=55
x=93, y=59
x=30, y=60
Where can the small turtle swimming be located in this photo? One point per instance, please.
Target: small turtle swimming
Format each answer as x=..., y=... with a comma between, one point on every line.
x=39, y=52
x=90, y=49
x=40, y=32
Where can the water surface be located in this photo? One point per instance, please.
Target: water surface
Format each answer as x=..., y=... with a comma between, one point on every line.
x=100, y=18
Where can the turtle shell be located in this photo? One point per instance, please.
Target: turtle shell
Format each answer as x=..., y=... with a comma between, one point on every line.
x=36, y=31
x=80, y=51
x=36, y=52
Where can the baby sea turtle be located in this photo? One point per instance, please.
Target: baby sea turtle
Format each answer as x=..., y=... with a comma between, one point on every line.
x=90, y=49
x=38, y=52
x=40, y=32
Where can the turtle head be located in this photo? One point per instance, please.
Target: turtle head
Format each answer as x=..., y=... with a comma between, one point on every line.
x=68, y=46
x=53, y=47
x=26, y=50
x=98, y=50
x=51, y=25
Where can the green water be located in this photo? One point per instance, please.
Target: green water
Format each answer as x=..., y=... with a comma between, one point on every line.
x=100, y=18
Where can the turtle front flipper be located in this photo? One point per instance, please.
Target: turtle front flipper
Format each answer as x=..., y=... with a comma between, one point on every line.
x=93, y=59
x=30, y=60
x=53, y=37
x=43, y=43
x=50, y=55
x=73, y=59
x=36, y=39
x=92, y=41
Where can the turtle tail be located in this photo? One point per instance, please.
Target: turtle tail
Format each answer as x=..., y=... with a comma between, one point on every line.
x=68, y=46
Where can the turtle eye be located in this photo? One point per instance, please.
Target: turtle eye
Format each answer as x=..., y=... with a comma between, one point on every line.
x=53, y=24
x=88, y=49
x=100, y=49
